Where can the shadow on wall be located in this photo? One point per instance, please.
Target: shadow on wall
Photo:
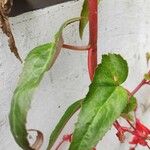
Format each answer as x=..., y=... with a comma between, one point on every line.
x=21, y=6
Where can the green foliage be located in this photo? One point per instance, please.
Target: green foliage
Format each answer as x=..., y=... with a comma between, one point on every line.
x=103, y=104
x=84, y=17
x=112, y=71
x=38, y=61
x=63, y=121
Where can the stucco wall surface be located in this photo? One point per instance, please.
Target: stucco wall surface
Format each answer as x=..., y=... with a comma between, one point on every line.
x=124, y=28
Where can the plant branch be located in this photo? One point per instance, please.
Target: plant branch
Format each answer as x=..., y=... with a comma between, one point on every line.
x=93, y=30
x=130, y=124
x=148, y=146
x=58, y=146
x=138, y=87
x=143, y=82
x=65, y=138
x=76, y=48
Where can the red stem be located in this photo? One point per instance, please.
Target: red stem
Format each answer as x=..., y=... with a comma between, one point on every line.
x=148, y=146
x=143, y=82
x=58, y=146
x=120, y=128
x=138, y=87
x=131, y=124
x=93, y=30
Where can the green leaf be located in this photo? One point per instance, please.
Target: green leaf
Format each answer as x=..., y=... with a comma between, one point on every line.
x=38, y=61
x=84, y=18
x=63, y=121
x=103, y=104
x=112, y=71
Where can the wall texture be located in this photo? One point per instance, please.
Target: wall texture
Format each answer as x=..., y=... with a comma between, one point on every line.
x=124, y=29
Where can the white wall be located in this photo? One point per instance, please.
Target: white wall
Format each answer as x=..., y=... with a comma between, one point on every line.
x=124, y=29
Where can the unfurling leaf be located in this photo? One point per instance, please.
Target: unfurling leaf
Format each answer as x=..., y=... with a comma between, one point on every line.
x=131, y=106
x=128, y=116
x=63, y=121
x=147, y=76
x=147, y=57
x=39, y=140
x=103, y=104
x=38, y=61
x=84, y=17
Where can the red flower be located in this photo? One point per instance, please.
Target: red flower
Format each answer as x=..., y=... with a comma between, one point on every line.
x=138, y=140
x=67, y=137
x=121, y=131
x=140, y=133
x=121, y=136
x=141, y=129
